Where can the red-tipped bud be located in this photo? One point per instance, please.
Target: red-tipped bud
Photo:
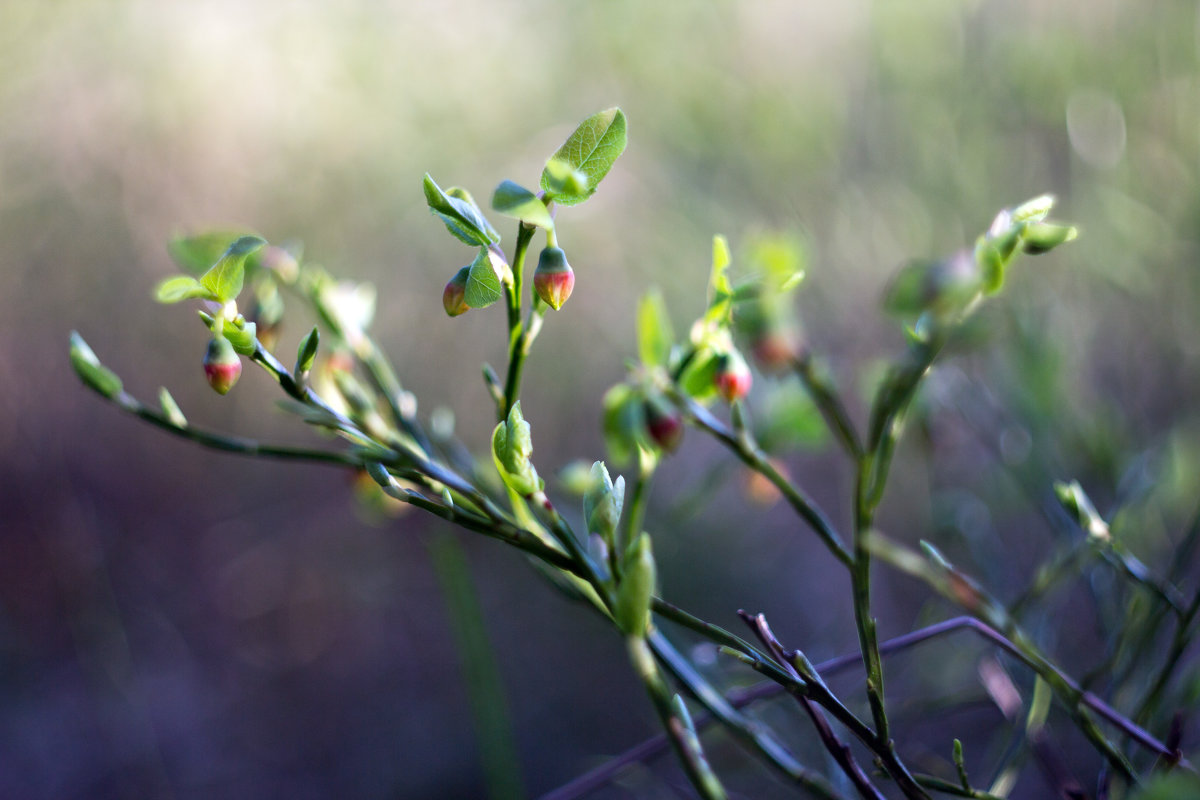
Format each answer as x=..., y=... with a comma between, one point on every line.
x=222, y=367
x=454, y=296
x=733, y=376
x=664, y=424
x=554, y=279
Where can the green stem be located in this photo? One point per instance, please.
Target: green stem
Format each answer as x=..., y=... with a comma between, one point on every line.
x=232, y=444
x=675, y=722
x=954, y=585
x=829, y=403
x=751, y=733
x=517, y=347
x=757, y=460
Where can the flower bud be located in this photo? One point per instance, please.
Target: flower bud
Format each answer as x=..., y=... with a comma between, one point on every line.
x=663, y=423
x=454, y=296
x=222, y=367
x=636, y=592
x=733, y=376
x=554, y=279
x=602, y=502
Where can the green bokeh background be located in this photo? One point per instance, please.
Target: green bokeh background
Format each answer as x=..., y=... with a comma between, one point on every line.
x=181, y=622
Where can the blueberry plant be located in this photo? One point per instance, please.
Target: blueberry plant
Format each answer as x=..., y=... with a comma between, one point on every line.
x=602, y=554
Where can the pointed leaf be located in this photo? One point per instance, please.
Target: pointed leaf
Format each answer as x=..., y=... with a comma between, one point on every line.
x=98, y=377
x=483, y=284
x=513, y=200
x=307, y=351
x=224, y=279
x=655, y=336
x=591, y=149
x=171, y=409
x=181, y=287
x=460, y=214
x=196, y=253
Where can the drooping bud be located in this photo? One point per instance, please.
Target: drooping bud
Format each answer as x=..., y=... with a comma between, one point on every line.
x=454, y=296
x=663, y=423
x=554, y=279
x=733, y=377
x=222, y=367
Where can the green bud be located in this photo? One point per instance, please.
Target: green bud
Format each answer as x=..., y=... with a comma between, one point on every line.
x=640, y=576
x=603, y=501
x=512, y=446
x=87, y=366
x=222, y=367
x=1076, y=503
x=554, y=279
x=1042, y=237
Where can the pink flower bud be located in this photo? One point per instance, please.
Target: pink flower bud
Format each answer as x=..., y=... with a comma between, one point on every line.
x=733, y=377
x=454, y=296
x=554, y=279
x=222, y=367
x=664, y=424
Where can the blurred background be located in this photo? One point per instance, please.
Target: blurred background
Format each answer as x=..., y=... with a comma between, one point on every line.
x=180, y=623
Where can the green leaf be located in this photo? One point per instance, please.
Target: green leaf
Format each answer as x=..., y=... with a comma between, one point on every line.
x=512, y=447
x=591, y=149
x=98, y=377
x=1042, y=237
x=655, y=335
x=1034, y=210
x=244, y=339
x=699, y=379
x=513, y=200
x=460, y=214
x=224, y=279
x=307, y=351
x=195, y=254
x=171, y=409
x=483, y=284
x=560, y=178
x=181, y=287
x=718, y=282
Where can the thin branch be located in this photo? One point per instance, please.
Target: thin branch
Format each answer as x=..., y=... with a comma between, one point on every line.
x=754, y=458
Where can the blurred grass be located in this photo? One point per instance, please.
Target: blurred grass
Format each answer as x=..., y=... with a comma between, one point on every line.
x=879, y=131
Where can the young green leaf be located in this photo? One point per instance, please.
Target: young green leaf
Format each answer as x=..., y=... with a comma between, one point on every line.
x=244, y=339
x=560, y=178
x=655, y=336
x=195, y=254
x=307, y=352
x=224, y=279
x=181, y=287
x=513, y=200
x=483, y=284
x=512, y=447
x=460, y=214
x=591, y=149
x=98, y=377
x=170, y=408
